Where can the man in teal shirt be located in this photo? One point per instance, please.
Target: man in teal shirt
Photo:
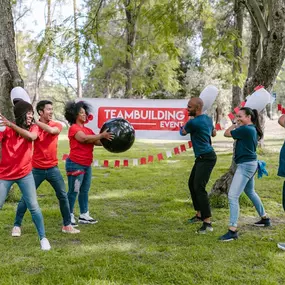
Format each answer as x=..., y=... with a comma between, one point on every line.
x=201, y=129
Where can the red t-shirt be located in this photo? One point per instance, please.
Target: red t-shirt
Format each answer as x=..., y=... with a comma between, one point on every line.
x=16, y=154
x=81, y=153
x=45, y=148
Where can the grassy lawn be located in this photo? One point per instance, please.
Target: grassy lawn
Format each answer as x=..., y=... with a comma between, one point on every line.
x=142, y=236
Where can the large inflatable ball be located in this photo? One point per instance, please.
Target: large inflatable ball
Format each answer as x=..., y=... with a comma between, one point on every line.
x=124, y=135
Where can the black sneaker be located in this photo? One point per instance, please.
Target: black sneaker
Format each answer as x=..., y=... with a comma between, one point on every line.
x=263, y=223
x=206, y=227
x=194, y=220
x=230, y=235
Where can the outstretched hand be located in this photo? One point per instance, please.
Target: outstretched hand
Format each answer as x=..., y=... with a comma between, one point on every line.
x=107, y=135
x=4, y=121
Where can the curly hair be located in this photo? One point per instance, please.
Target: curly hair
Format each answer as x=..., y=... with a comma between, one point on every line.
x=72, y=110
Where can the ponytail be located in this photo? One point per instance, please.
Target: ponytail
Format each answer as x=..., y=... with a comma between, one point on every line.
x=255, y=120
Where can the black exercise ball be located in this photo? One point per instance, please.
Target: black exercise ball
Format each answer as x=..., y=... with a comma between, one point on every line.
x=124, y=135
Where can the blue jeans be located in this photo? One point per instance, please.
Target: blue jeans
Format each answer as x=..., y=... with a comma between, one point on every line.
x=28, y=189
x=79, y=182
x=53, y=176
x=243, y=180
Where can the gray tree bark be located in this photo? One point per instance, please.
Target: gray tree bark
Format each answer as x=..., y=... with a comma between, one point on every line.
x=132, y=10
x=9, y=74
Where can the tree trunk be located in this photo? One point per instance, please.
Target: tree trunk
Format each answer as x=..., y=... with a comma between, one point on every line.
x=132, y=11
x=43, y=63
x=273, y=51
x=9, y=74
x=77, y=52
x=237, y=70
x=222, y=185
x=255, y=50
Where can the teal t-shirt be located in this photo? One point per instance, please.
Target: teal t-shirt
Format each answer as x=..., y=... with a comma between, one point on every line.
x=246, y=142
x=200, y=128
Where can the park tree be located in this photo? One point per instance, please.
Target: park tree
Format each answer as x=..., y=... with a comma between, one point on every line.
x=9, y=74
x=132, y=52
x=267, y=52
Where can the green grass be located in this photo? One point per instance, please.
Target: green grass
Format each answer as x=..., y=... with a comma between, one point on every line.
x=142, y=236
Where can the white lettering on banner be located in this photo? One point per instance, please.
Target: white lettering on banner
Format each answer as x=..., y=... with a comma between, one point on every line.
x=145, y=114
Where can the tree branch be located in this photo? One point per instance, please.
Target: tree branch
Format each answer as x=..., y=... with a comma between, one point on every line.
x=257, y=16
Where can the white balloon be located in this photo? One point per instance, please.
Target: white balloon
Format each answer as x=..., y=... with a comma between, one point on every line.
x=258, y=99
x=20, y=93
x=208, y=96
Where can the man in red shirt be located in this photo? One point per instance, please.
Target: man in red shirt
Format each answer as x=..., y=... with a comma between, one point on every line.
x=15, y=162
x=45, y=167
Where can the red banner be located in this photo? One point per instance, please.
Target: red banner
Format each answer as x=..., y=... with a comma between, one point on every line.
x=143, y=118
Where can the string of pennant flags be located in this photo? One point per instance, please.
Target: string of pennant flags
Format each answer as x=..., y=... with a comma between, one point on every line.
x=141, y=161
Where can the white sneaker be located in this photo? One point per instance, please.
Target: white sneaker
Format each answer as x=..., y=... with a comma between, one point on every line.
x=45, y=245
x=86, y=219
x=70, y=230
x=73, y=221
x=16, y=231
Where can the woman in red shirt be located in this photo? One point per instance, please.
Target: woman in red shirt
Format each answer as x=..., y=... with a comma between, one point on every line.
x=16, y=162
x=78, y=164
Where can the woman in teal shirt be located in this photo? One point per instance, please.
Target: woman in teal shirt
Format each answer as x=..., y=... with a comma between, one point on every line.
x=246, y=132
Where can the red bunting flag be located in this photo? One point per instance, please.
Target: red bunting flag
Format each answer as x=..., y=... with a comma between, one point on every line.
x=236, y=109
x=117, y=163
x=242, y=104
x=106, y=163
x=218, y=127
x=283, y=110
x=258, y=87
x=190, y=144
x=231, y=116
x=176, y=150
x=160, y=156
x=126, y=162
x=150, y=158
x=182, y=147
x=65, y=156
x=143, y=160
x=279, y=106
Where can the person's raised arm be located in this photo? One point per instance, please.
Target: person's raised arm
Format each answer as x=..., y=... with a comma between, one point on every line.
x=228, y=131
x=48, y=129
x=30, y=136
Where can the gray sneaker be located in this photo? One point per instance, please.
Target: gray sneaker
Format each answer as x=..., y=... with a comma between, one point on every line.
x=16, y=231
x=73, y=221
x=86, y=219
x=281, y=245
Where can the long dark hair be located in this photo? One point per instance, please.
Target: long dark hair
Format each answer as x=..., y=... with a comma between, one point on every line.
x=72, y=110
x=255, y=120
x=22, y=122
